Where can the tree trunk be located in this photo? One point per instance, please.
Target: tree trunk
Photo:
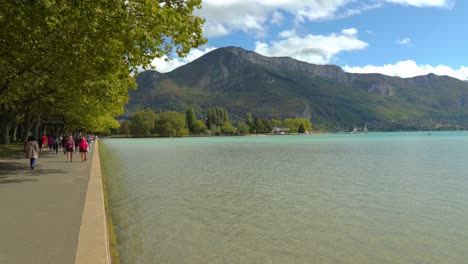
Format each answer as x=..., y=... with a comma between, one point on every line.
x=27, y=126
x=15, y=131
x=5, y=131
x=36, y=133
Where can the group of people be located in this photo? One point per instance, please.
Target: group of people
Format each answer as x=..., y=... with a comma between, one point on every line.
x=51, y=142
x=70, y=145
x=82, y=143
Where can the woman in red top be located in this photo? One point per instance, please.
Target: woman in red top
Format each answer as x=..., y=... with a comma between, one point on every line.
x=44, y=142
x=83, y=148
x=70, y=147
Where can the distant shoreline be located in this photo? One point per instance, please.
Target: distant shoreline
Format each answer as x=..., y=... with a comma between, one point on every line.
x=292, y=134
x=208, y=136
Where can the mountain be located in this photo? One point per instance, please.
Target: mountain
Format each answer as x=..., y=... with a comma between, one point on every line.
x=281, y=87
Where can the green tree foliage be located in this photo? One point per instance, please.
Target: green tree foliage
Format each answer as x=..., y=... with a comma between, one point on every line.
x=294, y=123
x=258, y=125
x=216, y=116
x=171, y=124
x=190, y=118
x=249, y=121
x=301, y=128
x=77, y=59
x=276, y=123
x=199, y=128
x=243, y=129
x=228, y=129
x=143, y=123
x=125, y=128
x=261, y=126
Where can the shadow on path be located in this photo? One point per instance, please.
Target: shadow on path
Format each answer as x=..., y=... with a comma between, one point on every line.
x=16, y=180
x=22, y=169
x=12, y=168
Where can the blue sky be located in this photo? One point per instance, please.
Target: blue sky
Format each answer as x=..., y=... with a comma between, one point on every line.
x=395, y=37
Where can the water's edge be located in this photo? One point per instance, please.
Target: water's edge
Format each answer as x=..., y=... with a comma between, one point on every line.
x=93, y=239
x=113, y=244
x=392, y=198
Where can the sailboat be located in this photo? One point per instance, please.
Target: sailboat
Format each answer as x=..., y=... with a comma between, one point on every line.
x=354, y=130
x=365, y=128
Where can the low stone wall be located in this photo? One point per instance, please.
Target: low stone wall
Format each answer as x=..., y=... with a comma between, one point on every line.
x=93, y=242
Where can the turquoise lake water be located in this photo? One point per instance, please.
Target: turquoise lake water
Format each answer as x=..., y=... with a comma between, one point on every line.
x=345, y=198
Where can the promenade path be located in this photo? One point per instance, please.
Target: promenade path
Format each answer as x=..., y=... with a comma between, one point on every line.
x=41, y=210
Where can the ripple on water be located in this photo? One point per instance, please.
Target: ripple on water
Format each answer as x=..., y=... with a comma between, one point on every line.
x=375, y=198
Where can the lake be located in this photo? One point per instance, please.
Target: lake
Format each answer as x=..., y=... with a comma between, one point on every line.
x=333, y=198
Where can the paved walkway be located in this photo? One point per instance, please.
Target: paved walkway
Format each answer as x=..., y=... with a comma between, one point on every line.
x=41, y=210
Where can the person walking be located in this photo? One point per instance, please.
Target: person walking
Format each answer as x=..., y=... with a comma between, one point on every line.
x=83, y=148
x=64, y=144
x=32, y=151
x=60, y=141
x=56, y=144
x=77, y=143
x=50, y=143
x=70, y=146
x=90, y=143
x=44, y=142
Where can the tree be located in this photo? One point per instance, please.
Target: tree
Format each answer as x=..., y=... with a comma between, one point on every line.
x=190, y=118
x=125, y=128
x=210, y=118
x=199, y=128
x=249, y=121
x=294, y=123
x=88, y=50
x=143, y=123
x=243, y=129
x=228, y=129
x=276, y=122
x=301, y=128
x=171, y=124
x=259, y=127
x=216, y=116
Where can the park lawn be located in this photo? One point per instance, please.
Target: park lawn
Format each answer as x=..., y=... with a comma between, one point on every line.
x=14, y=150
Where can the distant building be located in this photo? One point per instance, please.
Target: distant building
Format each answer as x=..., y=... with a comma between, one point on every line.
x=280, y=130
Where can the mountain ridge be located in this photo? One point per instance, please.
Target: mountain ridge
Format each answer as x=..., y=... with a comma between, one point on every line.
x=278, y=87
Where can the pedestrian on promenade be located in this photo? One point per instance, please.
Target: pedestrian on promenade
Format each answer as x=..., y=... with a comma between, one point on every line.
x=39, y=142
x=60, y=140
x=64, y=143
x=77, y=143
x=90, y=143
x=31, y=149
x=70, y=148
x=44, y=142
x=50, y=142
x=56, y=144
x=83, y=148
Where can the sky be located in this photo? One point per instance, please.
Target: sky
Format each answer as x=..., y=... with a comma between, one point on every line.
x=403, y=38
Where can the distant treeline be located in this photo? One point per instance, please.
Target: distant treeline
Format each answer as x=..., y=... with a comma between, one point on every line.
x=216, y=122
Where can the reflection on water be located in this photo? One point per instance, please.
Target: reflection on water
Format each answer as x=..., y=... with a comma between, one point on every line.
x=366, y=198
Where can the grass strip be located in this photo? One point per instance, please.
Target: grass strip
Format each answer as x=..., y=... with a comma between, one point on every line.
x=14, y=150
x=114, y=252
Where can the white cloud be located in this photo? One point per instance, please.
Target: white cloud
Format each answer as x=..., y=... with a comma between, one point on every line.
x=317, y=49
x=215, y=30
x=424, y=3
x=287, y=33
x=166, y=66
x=277, y=18
x=410, y=68
x=350, y=32
x=227, y=16
x=404, y=42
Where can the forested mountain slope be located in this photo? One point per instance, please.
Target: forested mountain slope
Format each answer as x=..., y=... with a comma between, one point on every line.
x=244, y=81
